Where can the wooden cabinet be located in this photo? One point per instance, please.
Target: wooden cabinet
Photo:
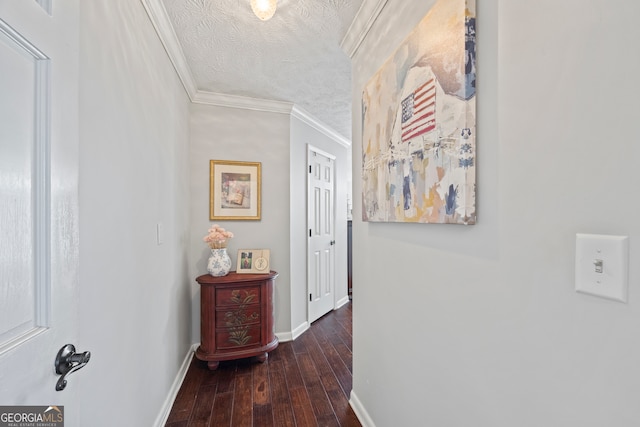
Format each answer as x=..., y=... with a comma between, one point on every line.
x=236, y=317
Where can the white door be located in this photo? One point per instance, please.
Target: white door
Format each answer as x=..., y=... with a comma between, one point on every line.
x=321, y=237
x=38, y=200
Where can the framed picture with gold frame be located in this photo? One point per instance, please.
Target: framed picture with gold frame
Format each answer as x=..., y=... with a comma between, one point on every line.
x=253, y=261
x=234, y=190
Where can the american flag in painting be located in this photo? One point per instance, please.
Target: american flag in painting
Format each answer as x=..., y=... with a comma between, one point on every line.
x=419, y=111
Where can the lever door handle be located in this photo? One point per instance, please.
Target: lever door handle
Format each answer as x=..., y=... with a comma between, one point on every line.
x=67, y=362
x=333, y=242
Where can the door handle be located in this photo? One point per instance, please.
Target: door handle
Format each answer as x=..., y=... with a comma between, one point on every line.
x=67, y=362
x=333, y=242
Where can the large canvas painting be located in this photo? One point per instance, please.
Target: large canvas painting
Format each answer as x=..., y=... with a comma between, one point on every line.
x=419, y=124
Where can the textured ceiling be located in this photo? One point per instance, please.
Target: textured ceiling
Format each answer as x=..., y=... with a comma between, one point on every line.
x=293, y=57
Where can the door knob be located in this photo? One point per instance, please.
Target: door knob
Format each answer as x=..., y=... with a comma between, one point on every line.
x=333, y=242
x=67, y=362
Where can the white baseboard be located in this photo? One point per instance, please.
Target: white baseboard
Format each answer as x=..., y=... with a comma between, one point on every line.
x=300, y=329
x=361, y=412
x=342, y=302
x=290, y=336
x=284, y=336
x=175, y=388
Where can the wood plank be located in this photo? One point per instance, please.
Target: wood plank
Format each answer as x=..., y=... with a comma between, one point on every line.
x=333, y=389
x=261, y=395
x=302, y=408
x=263, y=415
x=319, y=400
x=298, y=344
x=310, y=342
x=222, y=405
x=345, y=355
x=292, y=370
x=345, y=317
x=341, y=407
x=335, y=332
x=201, y=415
x=328, y=420
x=242, y=414
x=281, y=401
x=330, y=367
x=349, y=419
x=334, y=363
x=209, y=377
x=346, y=337
x=226, y=374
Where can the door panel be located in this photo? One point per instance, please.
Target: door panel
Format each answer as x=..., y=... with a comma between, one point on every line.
x=18, y=208
x=38, y=199
x=321, y=245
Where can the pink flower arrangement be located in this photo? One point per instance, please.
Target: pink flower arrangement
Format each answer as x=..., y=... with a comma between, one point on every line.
x=217, y=237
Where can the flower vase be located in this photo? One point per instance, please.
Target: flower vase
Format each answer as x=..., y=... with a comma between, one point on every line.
x=219, y=263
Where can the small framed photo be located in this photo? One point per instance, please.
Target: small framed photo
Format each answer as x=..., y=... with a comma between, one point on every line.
x=234, y=190
x=254, y=261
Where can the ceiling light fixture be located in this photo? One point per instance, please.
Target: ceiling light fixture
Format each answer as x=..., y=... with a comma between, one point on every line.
x=264, y=9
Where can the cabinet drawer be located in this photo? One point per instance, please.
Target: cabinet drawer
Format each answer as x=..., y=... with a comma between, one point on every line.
x=237, y=336
x=238, y=296
x=237, y=316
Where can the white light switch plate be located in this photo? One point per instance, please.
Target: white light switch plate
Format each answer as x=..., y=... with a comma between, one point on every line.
x=602, y=265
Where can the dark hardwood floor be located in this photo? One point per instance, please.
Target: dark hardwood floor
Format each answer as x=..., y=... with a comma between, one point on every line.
x=305, y=382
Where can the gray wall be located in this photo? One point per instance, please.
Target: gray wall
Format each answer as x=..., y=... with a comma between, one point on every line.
x=480, y=325
x=134, y=294
x=222, y=133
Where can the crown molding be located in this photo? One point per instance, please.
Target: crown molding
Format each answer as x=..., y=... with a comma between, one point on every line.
x=307, y=118
x=361, y=24
x=269, y=106
x=46, y=5
x=243, y=102
x=160, y=20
